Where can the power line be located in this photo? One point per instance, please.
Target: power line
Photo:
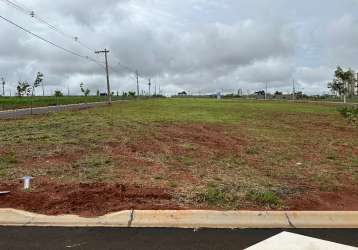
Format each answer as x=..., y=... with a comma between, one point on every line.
x=32, y=13
x=51, y=43
x=16, y=6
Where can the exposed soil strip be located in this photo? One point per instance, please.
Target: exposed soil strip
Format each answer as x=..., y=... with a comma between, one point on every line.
x=84, y=199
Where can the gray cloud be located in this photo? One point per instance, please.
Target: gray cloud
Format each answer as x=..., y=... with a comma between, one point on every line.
x=196, y=45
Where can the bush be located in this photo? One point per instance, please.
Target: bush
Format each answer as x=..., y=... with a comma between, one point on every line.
x=351, y=113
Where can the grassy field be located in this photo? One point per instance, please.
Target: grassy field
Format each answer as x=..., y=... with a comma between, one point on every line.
x=7, y=103
x=182, y=153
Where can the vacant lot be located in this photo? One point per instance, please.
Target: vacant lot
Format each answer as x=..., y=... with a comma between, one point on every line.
x=182, y=153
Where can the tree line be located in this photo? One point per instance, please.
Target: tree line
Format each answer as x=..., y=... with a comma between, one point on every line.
x=345, y=83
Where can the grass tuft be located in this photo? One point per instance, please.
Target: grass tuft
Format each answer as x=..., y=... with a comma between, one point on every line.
x=264, y=198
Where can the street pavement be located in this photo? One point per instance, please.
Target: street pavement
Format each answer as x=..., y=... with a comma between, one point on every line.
x=132, y=238
x=18, y=113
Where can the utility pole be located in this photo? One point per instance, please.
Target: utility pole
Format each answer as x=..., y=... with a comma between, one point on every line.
x=105, y=51
x=43, y=89
x=149, y=84
x=3, y=86
x=137, y=83
x=293, y=90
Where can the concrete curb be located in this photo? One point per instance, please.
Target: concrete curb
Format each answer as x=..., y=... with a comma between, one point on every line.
x=187, y=219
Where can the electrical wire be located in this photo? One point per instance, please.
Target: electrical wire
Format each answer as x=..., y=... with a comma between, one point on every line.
x=27, y=11
x=52, y=43
x=31, y=13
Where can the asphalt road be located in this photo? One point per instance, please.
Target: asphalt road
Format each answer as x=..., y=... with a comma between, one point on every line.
x=132, y=238
x=18, y=113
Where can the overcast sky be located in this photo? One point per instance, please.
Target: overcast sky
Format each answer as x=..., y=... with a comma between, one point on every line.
x=193, y=45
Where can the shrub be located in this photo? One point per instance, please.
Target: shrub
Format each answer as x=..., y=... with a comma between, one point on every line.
x=351, y=113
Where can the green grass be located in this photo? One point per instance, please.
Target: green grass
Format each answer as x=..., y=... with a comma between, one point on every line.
x=266, y=198
x=93, y=168
x=214, y=196
x=218, y=151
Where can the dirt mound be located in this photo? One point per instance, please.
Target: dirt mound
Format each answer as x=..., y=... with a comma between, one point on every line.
x=326, y=201
x=84, y=199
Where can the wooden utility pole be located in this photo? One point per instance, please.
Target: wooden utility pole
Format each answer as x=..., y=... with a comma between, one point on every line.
x=137, y=83
x=3, y=86
x=105, y=51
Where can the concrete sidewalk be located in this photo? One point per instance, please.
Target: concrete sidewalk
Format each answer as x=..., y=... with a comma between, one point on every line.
x=18, y=113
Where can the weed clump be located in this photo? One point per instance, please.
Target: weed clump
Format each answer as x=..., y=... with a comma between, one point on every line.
x=264, y=197
x=213, y=196
x=351, y=113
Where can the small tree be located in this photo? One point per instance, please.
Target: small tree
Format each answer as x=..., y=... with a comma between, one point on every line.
x=261, y=92
x=37, y=83
x=131, y=94
x=58, y=93
x=86, y=91
x=97, y=94
x=22, y=88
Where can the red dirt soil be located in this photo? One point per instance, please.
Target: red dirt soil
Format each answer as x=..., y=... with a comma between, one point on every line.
x=84, y=199
x=326, y=201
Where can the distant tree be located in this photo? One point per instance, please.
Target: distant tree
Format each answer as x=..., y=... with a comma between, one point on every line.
x=183, y=93
x=86, y=91
x=261, y=92
x=37, y=83
x=342, y=82
x=58, y=93
x=278, y=93
x=22, y=88
x=98, y=93
x=131, y=93
x=124, y=94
